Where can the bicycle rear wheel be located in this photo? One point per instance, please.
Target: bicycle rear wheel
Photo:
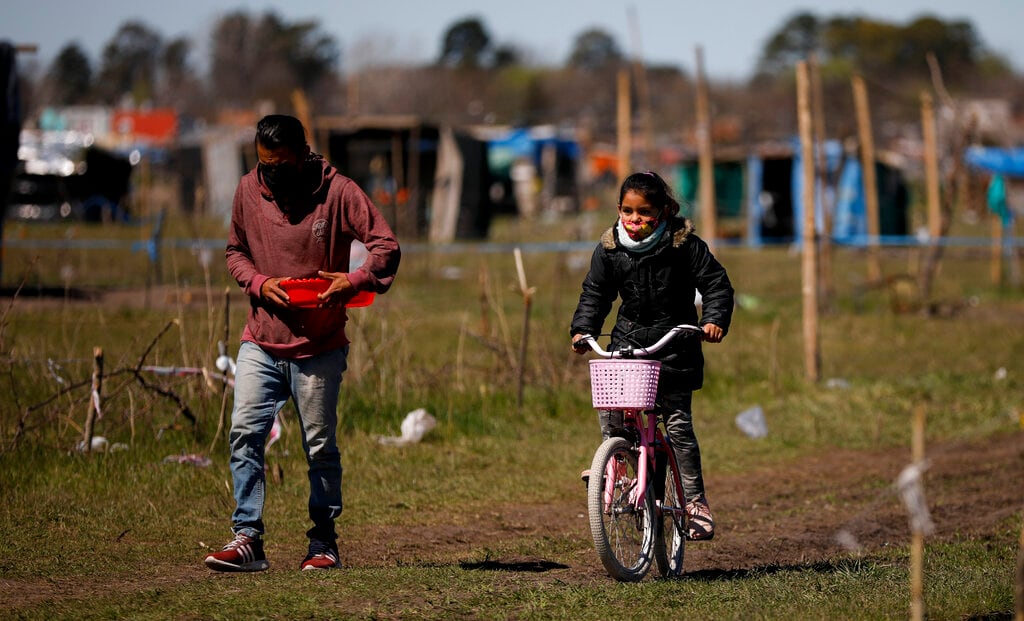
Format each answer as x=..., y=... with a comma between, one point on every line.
x=670, y=543
x=623, y=533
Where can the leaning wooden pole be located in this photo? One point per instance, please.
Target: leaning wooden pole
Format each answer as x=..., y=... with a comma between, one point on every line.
x=222, y=416
x=525, y=339
x=812, y=354
x=870, y=186
x=706, y=185
x=642, y=91
x=623, y=122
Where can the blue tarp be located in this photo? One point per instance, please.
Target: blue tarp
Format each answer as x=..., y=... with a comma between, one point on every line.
x=526, y=143
x=849, y=222
x=833, y=152
x=996, y=160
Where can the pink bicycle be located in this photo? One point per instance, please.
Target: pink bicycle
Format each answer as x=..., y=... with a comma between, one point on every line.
x=637, y=507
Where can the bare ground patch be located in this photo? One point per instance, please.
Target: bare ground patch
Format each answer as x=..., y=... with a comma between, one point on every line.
x=768, y=519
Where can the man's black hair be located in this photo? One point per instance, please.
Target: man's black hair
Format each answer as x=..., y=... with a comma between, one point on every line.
x=280, y=130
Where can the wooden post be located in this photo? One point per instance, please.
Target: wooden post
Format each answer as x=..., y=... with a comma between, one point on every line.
x=642, y=92
x=706, y=185
x=485, y=306
x=94, y=396
x=867, y=159
x=624, y=125
x=812, y=355
x=398, y=177
x=301, y=105
x=996, y=252
x=221, y=418
x=821, y=165
x=931, y=167
x=1012, y=256
x=917, y=537
x=527, y=303
x=1020, y=578
x=352, y=95
x=413, y=182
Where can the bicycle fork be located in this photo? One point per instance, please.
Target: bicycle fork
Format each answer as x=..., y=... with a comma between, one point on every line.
x=614, y=477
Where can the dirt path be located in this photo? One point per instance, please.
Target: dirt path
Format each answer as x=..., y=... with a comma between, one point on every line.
x=798, y=515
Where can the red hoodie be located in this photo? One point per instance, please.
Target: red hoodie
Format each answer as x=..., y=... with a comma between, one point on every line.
x=263, y=243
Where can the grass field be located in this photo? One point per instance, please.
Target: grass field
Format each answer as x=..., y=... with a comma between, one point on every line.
x=480, y=520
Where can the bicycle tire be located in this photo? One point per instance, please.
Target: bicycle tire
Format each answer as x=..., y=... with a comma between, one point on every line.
x=670, y=542
x=623, y=536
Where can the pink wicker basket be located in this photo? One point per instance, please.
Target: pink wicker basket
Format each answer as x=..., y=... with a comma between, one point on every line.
x=619, y=384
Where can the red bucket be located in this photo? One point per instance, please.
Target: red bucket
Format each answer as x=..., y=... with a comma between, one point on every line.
x=302, y=293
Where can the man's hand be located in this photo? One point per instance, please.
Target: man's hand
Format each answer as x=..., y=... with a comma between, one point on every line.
x=340, y=290
x=272, y=291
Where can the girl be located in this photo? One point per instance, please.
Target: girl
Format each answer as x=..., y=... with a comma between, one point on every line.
x=652, y=259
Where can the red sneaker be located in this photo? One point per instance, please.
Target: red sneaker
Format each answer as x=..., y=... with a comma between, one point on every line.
x=243, y=553
x=322, y=555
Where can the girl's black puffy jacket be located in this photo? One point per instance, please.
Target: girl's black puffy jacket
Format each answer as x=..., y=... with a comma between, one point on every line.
x=658, y=288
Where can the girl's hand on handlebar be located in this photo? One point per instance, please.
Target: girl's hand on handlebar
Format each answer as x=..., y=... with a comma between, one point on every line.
x=712, y=333
x=579, y=345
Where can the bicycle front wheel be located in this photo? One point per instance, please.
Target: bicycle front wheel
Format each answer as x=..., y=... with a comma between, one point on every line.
x=623, y=529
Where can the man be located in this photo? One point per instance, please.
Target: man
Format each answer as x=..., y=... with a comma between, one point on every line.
x=295, y=216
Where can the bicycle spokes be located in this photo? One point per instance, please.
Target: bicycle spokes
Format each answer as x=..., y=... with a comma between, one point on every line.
x=622, y=512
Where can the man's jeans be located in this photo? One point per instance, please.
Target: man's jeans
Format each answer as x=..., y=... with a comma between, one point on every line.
x=263, y=385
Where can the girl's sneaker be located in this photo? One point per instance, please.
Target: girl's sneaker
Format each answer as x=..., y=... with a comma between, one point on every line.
x=700, y=523
x=243, y=553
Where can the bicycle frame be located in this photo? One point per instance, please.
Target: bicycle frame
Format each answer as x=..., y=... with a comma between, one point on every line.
x=651, y=443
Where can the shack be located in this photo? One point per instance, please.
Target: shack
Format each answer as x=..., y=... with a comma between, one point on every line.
x=759, y=196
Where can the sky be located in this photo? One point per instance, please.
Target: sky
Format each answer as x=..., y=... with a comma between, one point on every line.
x=730, y=33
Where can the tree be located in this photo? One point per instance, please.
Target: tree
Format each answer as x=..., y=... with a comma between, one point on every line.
x=955, y=44
x=235, y=59
x=594, y=49
x=174, y=63
x=506, y=56
x=312, y=53
x=129, y=65
x=267, y=58
x=793, y=41
x=881, y=51
x=180, y=87
x=465, y=45
x=68, y=80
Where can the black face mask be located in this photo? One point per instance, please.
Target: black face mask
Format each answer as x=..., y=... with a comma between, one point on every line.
x=283, y=180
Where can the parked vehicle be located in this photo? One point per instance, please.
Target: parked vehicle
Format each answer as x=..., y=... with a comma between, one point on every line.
x=62, y=176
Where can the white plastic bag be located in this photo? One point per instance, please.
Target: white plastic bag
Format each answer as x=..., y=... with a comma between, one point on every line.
x=415, y=425
x=751, y=422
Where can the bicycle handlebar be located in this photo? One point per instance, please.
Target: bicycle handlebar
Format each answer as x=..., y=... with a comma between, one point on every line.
x=640, y=352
